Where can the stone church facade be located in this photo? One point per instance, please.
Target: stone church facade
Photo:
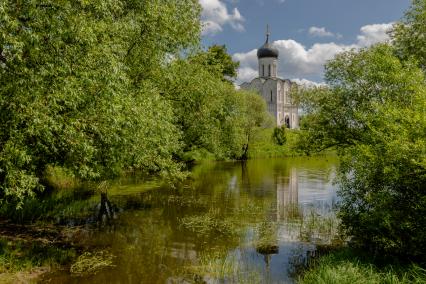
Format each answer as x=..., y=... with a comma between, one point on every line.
x=275, y=91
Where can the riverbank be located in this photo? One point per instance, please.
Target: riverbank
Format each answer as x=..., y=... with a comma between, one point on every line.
x=29, y=251
x=263, y=146
x=350, y=266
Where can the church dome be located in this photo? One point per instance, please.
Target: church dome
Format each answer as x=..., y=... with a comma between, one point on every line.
x=267, y=51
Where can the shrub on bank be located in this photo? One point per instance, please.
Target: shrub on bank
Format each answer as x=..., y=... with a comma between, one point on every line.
x=279, y=136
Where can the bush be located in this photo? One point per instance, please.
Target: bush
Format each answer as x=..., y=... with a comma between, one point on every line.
x=373, y=112
x=279, y=136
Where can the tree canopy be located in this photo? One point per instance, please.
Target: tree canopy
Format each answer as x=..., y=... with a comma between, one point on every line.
x=373, y=112
x=408, y=35
x=217, y=59
x=100, y=87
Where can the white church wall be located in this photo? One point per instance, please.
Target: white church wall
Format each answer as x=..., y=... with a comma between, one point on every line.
x=265, y=64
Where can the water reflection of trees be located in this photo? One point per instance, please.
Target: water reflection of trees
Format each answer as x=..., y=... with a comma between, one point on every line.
x=261, y=197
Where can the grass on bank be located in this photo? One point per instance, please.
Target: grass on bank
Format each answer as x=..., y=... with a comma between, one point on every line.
x=348, y=266
x=22, y=261
x=263, y=146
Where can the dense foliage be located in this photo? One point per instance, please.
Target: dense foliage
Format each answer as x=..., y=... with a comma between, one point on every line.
x=217, y=59
x=98, y=87
x=213, y=116
x=279, y=135
x=373, y=112
x=408, y=35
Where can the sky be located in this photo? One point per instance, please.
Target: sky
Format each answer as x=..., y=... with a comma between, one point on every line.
x=307, y=33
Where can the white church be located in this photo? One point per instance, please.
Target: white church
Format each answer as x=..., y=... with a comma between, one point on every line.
x=275, y=91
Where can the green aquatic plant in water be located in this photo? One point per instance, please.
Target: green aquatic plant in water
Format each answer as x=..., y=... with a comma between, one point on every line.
x=318, y=228
x=209, y=224
x=266, y=238
x=218, y=267
x=92, y=262
x=186, y=202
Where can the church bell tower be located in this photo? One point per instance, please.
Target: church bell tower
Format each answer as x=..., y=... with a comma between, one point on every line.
x=268, y=59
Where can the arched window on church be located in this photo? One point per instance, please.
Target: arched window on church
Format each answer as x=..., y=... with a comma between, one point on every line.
x=263, y=70
x=269, y=70
x=271, y=95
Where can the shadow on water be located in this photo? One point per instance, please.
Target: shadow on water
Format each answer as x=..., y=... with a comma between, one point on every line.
x=232, y=222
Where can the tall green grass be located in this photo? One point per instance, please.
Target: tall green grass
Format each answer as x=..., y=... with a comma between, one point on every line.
x=347, y=266
x=21, y=260
x=60, y=178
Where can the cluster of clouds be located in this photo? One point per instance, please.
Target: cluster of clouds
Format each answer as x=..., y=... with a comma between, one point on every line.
x=298, y=61
x=215, y=15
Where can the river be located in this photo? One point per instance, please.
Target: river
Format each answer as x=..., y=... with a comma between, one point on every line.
x=230, y=222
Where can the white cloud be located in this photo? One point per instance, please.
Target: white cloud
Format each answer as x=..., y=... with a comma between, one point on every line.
x=246, y=74
x=371, y=34
x=210, y=27
x=320, y=32
x=298, y=61
x=215, y=15
x=307, y=83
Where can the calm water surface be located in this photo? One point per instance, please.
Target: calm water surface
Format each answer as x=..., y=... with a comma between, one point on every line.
x=253, y=222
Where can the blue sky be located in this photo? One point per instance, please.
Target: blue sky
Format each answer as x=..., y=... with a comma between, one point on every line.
x=306, y=32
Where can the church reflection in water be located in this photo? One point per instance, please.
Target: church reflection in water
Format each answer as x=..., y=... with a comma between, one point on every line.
x=287, y=196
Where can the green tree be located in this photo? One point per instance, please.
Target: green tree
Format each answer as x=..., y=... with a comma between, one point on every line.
x=212, y=115
x=77, y=88
x=217, y=59
x=254, y=117
x=373, y=112
x=409, y=34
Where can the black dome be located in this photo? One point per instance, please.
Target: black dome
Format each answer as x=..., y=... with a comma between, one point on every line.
x=267, y=51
